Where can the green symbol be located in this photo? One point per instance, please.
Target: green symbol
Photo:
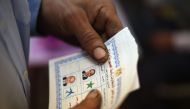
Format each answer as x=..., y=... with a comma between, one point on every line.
x=89, y=85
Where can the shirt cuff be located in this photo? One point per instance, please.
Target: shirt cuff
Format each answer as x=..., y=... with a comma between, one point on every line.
x=34, y=6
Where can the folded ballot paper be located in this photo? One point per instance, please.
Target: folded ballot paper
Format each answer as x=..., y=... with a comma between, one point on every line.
x=72, y=77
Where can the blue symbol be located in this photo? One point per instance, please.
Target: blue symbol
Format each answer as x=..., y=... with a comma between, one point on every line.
x=70, y=92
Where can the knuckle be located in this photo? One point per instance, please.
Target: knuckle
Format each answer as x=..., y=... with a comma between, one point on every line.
x=72, y=13
x=106, y=12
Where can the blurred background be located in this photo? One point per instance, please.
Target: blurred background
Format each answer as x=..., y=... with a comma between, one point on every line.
x=162, y=30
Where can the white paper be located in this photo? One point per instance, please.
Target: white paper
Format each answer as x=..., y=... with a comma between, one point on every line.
x=71, y=78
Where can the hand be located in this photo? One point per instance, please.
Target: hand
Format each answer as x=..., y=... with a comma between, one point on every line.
x=83, y=19
x=92, y=101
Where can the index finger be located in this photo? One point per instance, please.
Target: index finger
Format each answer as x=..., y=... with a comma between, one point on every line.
x=108, y=21
x=113, y=24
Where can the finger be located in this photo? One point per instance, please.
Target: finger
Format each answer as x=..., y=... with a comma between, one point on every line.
x=92, y=101
x=113, y=25
x=89, y=38
x=100, y=21
x=108, y=20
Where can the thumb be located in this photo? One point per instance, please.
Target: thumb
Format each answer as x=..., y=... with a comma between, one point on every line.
x=89, y=39
x=92, y=101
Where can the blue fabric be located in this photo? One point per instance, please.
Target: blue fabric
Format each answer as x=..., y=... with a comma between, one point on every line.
x=34, y=6
x=14, y=48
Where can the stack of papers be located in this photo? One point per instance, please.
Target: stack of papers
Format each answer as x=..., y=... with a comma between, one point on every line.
x=71, y=78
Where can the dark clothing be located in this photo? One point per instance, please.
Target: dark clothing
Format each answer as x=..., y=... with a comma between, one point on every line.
x=84, y=77
x=64, y=81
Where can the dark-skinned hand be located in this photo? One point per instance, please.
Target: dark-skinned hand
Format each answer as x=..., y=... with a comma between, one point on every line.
x=92, y=101
x=82, y=20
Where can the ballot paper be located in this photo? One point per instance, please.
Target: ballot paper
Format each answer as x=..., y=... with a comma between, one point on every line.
x=72, y=77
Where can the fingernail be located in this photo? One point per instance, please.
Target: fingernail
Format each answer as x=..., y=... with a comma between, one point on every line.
x=93, y=94
x=99, y=53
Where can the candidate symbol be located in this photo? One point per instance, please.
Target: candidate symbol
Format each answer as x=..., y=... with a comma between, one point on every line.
x=69, y=92
x=89, y=85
